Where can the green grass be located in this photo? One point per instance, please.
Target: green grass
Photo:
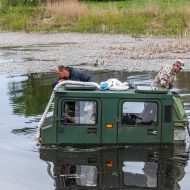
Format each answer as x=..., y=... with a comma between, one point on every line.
x=136, y=17
x=137, y=3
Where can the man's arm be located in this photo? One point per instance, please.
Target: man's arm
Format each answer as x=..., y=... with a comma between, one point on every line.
x=55, y=82
x=164, y=78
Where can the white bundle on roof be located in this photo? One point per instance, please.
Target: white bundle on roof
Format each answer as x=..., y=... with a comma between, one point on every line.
x=114, y=84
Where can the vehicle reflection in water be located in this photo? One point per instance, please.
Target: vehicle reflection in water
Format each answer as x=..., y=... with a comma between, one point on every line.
x=131, y=167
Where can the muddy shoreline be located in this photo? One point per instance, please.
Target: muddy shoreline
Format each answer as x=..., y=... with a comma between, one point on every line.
x=23, y=53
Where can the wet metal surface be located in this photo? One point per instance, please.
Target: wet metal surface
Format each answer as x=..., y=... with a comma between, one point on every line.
x=26, y=167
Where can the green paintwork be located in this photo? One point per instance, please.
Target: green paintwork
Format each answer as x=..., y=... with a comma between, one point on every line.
x=110, y=106
x=161, y=166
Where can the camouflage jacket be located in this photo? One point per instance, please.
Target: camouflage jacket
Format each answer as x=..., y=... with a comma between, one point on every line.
x=165, y=77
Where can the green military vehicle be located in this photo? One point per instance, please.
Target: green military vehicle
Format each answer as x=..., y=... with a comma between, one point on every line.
x=86, y=115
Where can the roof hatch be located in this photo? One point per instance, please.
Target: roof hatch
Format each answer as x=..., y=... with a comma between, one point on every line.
x=150, y=89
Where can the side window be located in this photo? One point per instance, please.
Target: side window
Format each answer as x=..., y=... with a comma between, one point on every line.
x=140, y=174
x=139, y=113
x=79, y=112
x=82, y=172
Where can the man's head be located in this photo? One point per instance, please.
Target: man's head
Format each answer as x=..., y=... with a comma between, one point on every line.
x=62, y=71
x=178, y=65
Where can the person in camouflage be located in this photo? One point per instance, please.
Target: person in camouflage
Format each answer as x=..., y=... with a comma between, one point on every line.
x=167, y=75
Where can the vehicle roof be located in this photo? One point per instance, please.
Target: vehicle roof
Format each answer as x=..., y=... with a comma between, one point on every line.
x=139, y=91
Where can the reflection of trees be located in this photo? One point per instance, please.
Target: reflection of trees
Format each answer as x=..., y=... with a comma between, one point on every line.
x=29, y=97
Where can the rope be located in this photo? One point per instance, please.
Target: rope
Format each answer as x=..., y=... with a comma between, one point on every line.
x=42, y=120
x=49, y=170
x=77, y=83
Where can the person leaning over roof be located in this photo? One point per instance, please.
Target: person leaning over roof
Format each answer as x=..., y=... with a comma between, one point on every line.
x=167, y=75
x=69, y=73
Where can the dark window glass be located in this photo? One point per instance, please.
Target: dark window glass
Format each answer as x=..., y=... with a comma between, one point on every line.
x=79, y=112
x=139, y=113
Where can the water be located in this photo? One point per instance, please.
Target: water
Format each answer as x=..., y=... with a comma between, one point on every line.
x=26, y=167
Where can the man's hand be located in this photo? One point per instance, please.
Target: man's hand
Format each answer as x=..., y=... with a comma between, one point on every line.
x=171, y=86
x=165, y=86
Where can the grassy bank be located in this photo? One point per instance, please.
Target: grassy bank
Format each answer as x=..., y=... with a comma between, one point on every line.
x=156, y=17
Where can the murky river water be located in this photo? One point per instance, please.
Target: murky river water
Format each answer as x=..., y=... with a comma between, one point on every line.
x=26, y=167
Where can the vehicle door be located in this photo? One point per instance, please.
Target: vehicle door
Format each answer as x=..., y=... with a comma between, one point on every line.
x=78, y=121
x=140, y=122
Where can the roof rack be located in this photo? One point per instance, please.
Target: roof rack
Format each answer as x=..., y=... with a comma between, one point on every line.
x=150, y=89
x=79, y=87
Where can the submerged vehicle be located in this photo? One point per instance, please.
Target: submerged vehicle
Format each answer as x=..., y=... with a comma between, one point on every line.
x=87, y=115
x=129, y=167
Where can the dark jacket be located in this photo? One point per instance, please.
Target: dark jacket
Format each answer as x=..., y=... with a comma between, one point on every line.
x=75, y=75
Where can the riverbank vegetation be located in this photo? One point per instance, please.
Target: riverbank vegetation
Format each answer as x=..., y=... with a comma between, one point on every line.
x=136, y=17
